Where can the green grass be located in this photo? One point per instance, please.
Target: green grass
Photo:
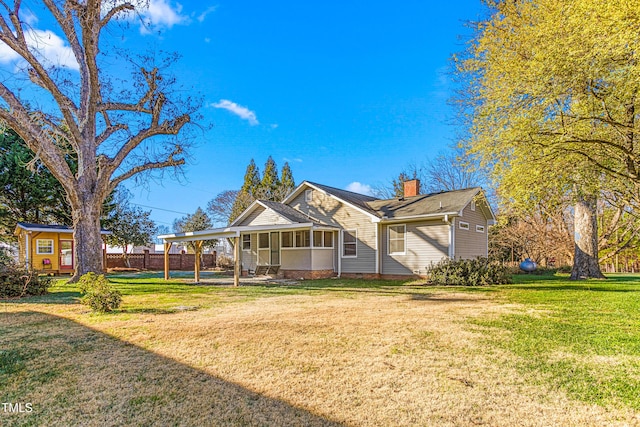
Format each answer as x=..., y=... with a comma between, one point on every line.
x=579, y=337
x=583, y=337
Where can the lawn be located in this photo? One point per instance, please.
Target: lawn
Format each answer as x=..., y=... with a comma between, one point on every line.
x=543, y=351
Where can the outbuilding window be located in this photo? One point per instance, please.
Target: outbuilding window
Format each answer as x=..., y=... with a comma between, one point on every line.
x=44, y=246
x=463, y=225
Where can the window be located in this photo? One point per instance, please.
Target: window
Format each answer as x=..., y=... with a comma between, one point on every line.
x=463, y=225
x=308, y=196
x=44, y=246
x=263, y=240
x=328, y=239
x=317, y=239
x=287, y=239
x=480, y=228
x=350, y=243
x=303, y=239
x=473, y=205
x=246, y=242
x=397, y=239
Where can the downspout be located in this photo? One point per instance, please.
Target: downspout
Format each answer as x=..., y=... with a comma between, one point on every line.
x=339, y=253
x=378, y=248
x=452, y=237
x=27, y=257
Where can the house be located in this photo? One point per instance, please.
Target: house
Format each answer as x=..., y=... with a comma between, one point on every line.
x=320, y=231
x=46, y=247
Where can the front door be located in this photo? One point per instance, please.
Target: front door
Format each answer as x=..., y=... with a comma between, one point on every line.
x=66, y=254
x=275, y=248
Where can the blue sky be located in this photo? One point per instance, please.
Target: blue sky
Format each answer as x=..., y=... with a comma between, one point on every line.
x=348, y=92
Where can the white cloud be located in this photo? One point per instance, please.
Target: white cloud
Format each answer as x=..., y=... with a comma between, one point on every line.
x=360, y=188
x=161, y=14
x=47, y=46
x=240, y=111
x=204, y=14
x=296, y=160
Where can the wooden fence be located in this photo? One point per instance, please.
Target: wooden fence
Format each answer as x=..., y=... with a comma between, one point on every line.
x=148, y=261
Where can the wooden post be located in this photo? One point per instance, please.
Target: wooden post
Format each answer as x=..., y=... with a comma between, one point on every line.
x=167, y=247
x=198, y=246
x=237, y=262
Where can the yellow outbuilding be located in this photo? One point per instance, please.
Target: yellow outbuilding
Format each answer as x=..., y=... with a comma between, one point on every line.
x=46, y=248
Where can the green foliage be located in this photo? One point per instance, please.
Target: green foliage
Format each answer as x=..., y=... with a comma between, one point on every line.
x=128, y=225
x=18, y=282
x=468, y=272
x=197, y=221
x=28, y=190
x=270, y=187
x=99, y=294
x=270, y=180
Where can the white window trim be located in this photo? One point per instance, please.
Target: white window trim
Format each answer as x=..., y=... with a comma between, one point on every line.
x=480, y=228
x=473, y=205
x=308, y=196
x=295, y=240
x=463, y=225
x=242, y=243
x=332, y=240
x=53, y=249
x=354, y=231
x=404, y=246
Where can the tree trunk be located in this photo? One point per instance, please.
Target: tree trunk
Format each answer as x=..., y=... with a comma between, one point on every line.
x=585, y=262
x=87, y=238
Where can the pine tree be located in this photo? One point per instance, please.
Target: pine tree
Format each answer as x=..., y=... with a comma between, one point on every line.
x=287, y=183
x=246, y=195
x=270, y=181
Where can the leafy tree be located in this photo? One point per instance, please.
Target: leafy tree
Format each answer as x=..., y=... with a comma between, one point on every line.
x=130, y=226
x=28, y=191
x=197, y=221
x=552, y=90
x=119, y=122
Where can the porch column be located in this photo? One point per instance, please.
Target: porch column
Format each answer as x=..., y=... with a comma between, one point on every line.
x=198, y=246
x=237, y=262
x=167, y=247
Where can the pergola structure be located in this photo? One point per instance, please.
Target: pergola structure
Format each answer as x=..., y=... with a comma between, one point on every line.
x=198, y=237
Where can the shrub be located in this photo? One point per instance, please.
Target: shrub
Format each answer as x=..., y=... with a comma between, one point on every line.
x=18, y=282
x=224, y=261
x=98, y=293
x=469, y=272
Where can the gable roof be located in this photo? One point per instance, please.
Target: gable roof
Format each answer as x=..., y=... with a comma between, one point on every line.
x=355, y=200
x=447, y=202
x=285, y=211
x=423, y=205
x=29, y=226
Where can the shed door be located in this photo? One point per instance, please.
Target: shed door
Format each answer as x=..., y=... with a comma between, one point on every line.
x=66, y=253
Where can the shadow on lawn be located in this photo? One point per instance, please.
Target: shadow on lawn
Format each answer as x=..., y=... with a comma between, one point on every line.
x=73, y=375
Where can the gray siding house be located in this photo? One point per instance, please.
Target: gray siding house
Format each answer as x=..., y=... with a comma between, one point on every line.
x=321, y=231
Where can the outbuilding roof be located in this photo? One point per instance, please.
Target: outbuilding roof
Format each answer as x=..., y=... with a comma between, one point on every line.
x=29, y=226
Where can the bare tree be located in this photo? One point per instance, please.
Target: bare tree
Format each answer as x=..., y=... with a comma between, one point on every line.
x=117, y=127
x=221, y=206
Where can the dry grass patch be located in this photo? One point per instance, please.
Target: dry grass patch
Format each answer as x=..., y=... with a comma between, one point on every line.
x=397, y=356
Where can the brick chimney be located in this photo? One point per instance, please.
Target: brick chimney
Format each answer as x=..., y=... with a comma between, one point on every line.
x=411, y=188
